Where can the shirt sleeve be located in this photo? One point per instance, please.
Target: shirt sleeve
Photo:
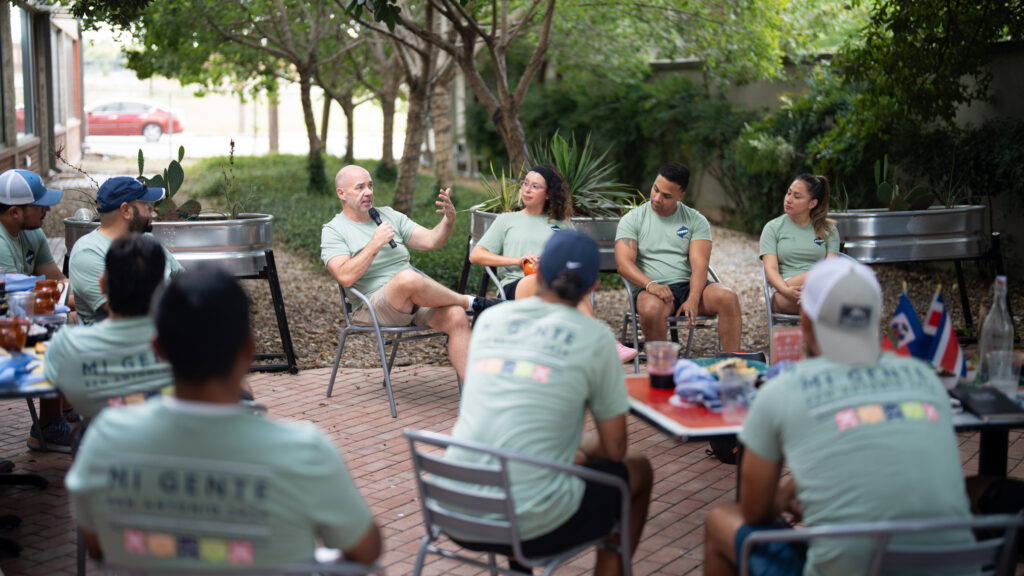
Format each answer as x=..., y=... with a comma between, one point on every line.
x=831, y=239
x=84, y=271
x=494, y=239
x=332, y=243
x=627, y=225
x=761, y=432
x=402, y=224
x=339, y=511
x=769, y=239
x=700, y=230
x=608, y=395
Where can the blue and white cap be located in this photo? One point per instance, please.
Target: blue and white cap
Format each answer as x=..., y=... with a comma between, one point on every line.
x=21, y=187
x=843, y=299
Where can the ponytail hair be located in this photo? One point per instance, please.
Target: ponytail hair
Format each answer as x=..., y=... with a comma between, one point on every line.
x=817, y=187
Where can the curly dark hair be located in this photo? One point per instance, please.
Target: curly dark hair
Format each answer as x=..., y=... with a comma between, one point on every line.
x=558, y=206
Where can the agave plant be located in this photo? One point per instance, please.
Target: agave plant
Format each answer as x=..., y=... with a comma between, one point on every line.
x=594, y=190
x=502, y=193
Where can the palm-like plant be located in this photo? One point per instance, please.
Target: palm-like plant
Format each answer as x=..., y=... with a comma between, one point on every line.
x=503, y=193
x=593, y=189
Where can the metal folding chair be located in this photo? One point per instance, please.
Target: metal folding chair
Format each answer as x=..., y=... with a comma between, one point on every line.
x=995, y=556
x=396, y=335
x=300, y=568
x=675, y=323
x=487, y=511
x=774, y=317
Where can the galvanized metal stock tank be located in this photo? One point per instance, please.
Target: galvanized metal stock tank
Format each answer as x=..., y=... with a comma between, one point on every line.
x=237, y=245
x=602, y=230
x=874, y=235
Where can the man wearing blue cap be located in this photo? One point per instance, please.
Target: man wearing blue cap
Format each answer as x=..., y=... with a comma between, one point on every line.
x=24, y=202
x=535, y=368
x=125, y=207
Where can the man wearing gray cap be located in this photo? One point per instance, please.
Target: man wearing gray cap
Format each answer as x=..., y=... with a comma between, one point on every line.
x=125, y=207
x=866, y=437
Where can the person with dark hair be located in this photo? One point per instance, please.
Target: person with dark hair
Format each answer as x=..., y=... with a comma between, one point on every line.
x=664, y=247
x=24, y=203
x=536, y=366
x=112, y=363
x=793, y=242
x=514, y=240
x=866, y=436
x=126, y=207
x=211, y=483
x=369, y=249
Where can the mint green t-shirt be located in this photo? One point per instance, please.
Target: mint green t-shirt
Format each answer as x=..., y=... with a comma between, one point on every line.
x=107, y=364
x=864, y=443
x=663, y=242
x=88, y=261
x=534, y=369
x=171, y=483
x=344, y=237
x=798, y=248
x=25, y=252
x=517, y=234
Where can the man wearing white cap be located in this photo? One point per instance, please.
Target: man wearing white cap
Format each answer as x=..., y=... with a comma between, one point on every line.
x=125, y=207
x=866, y=437
x=24, y=202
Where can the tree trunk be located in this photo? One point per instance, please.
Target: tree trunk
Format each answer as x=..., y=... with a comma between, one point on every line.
x=349, y=108
x=515, y=141
x=317, y=180
x=440, y=103
x=387, y=107
x=415, y=128
x=273, y=134
x=325, y=120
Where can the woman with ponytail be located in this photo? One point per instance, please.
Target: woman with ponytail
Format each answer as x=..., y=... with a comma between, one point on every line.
x=793, y=242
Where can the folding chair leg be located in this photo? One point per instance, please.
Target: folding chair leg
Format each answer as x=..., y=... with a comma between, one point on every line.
x=420, y=555
x=80, y=553
x=387, y=374
x=337, y=361
x=689, y=340
x=636, y=345
x=492, y=559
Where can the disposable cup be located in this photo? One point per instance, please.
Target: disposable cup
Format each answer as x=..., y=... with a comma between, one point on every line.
x=661, y=363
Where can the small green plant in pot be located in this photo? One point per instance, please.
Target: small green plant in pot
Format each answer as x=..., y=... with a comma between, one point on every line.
x=896, y=198
x=170, y=180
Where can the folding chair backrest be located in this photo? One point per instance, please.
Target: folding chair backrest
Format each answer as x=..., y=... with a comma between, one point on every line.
x=993, y=556
x=489, y=513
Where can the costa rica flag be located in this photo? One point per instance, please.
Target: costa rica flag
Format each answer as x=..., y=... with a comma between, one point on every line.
x=945, y=349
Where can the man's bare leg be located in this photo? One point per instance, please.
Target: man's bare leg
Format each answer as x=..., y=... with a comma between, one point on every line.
x=718, y=300
x=408, y=288
x=452, y=321
x=720, y=540
x=641, y=481
x=653, y=311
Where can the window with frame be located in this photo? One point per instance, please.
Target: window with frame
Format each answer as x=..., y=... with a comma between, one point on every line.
x=21, y=41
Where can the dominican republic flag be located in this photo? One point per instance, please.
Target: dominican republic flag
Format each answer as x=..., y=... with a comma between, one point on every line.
x=907, y=329
x=945, y=349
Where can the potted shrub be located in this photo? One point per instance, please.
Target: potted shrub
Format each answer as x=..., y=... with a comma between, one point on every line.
x=597, y=199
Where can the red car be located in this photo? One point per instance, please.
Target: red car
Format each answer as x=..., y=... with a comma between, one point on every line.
x=130, y=119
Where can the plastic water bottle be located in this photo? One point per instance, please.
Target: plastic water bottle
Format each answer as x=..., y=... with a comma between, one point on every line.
x=996, y=350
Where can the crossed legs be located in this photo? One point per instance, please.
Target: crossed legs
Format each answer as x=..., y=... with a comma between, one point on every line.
x=716, y=300
x=409, y=288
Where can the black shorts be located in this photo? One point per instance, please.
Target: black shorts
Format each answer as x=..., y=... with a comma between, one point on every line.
x=598, y=512
x=680, y=292
x=510, y=289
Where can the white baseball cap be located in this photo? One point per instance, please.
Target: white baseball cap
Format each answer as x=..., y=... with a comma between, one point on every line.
x=20, y=187
x=843, y=299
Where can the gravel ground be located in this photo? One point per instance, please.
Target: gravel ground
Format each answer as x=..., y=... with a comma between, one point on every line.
x=314, y=314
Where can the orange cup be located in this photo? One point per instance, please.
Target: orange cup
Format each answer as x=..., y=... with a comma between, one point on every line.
x=13, y=333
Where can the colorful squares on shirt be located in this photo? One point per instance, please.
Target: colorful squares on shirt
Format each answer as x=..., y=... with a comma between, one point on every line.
x=207, y=550
x=214, y=550
x=870, y=414
x=161, y=545
x=514, y=368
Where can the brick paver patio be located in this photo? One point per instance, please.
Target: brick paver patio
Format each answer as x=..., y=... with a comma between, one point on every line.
x=688, y=482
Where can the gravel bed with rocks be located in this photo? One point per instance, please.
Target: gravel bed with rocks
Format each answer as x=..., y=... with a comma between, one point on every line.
x=313, y=306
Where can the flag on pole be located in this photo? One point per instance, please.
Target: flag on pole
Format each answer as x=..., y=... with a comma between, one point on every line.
x=907, y=329
x=945, y=349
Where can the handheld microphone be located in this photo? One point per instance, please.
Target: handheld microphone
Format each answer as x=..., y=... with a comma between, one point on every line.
x=376, y=218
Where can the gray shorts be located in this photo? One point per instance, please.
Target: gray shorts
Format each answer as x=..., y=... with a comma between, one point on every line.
x=387, y=315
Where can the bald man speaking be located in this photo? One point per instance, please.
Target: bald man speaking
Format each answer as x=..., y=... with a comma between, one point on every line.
x=374, y=258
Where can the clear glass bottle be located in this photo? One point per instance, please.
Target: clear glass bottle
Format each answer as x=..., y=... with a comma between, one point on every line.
x=996, y=349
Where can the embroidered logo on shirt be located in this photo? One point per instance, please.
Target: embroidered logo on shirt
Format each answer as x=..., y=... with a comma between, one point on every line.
x=870, y=414
x=30, y=257
x=682, y=232
x=819, y=240
x=555, y=227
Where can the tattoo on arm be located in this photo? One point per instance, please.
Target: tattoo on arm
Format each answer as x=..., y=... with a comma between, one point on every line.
x=628, y=243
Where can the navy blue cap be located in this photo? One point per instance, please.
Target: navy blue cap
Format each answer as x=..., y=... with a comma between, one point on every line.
x=117, y=191
x=572, y=251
